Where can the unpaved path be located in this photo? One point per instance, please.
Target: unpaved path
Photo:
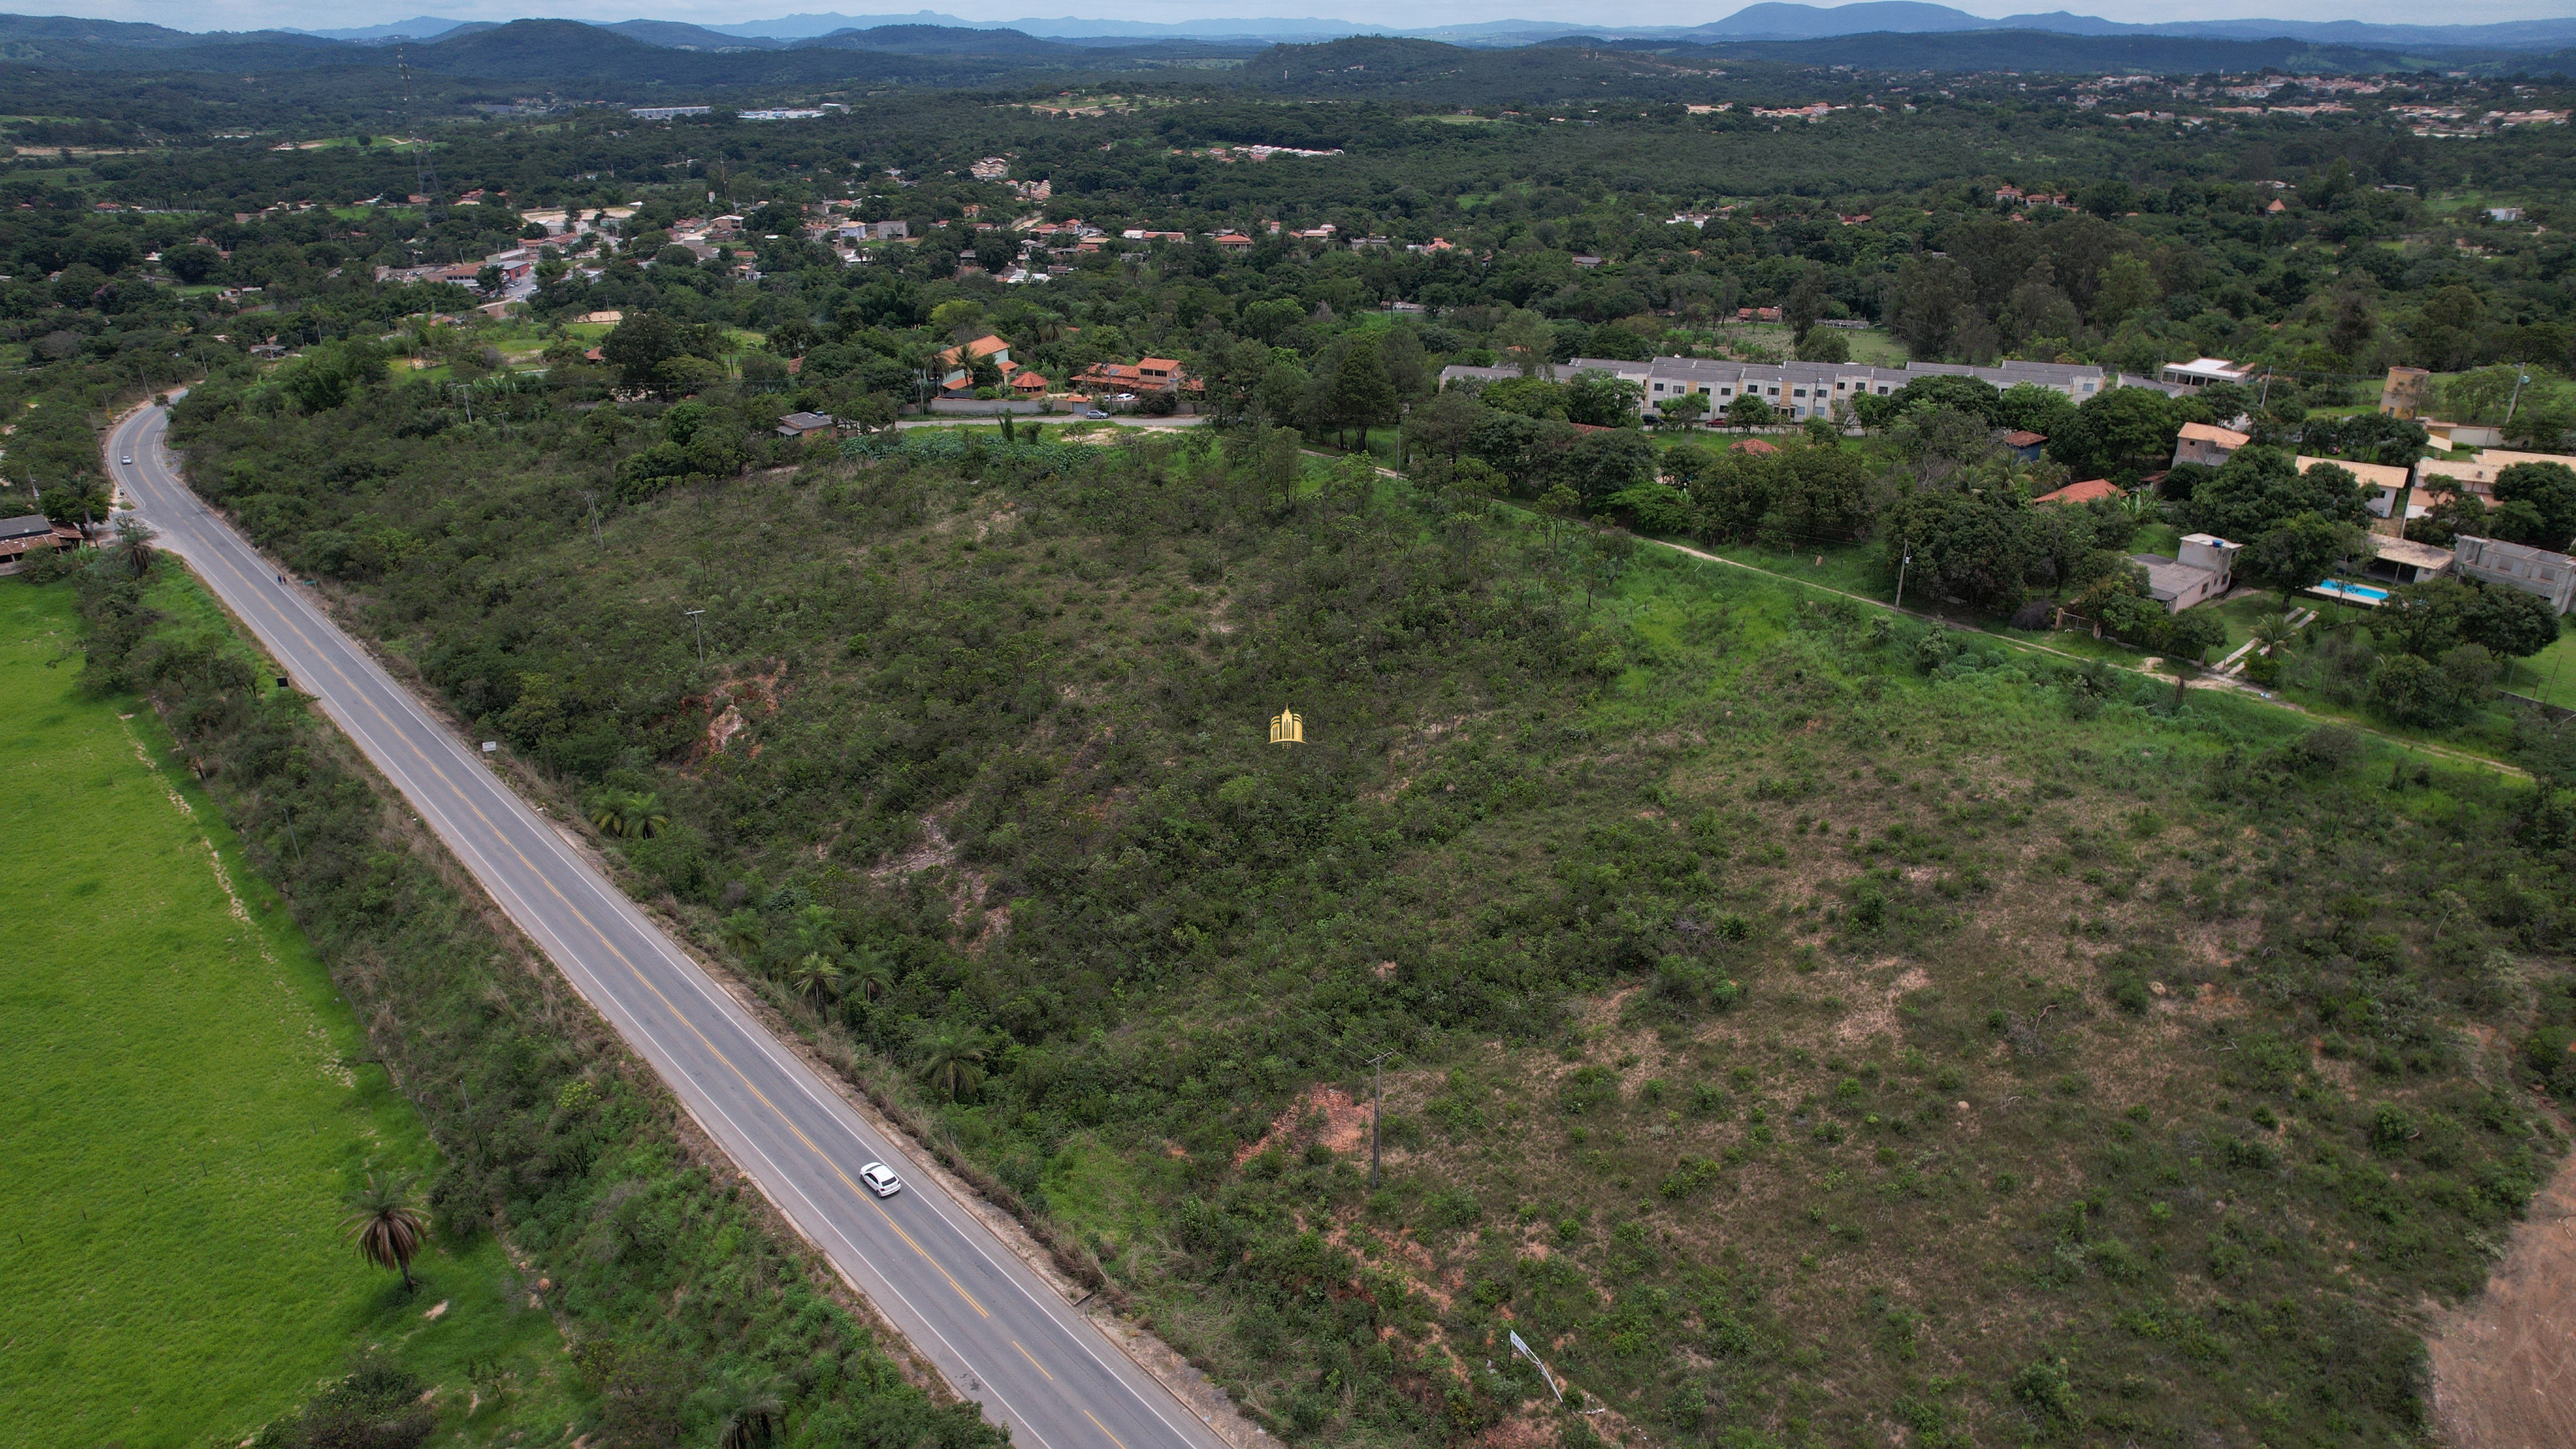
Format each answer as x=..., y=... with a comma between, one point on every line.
x=2504, y=1367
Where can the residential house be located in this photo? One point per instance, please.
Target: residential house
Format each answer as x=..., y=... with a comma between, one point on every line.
x=805, y=425
x=34, y=533
x=2474, y=475
x=2207, y=444
x=2461, y=435
x=1796, y=390
x=2091, y=490
x=1029, y=383
x=2404, y=561
x=2402, y=395
x=2202, y=371
x=2024, y=444
x=2203, y=570
x=2387, y=484
x=1233, y=241
x=2518, y=566
x=1801, y=390
x=1147, y=374
x=959, y=362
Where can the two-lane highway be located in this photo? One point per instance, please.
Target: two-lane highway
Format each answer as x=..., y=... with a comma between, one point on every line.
x=995, y=1327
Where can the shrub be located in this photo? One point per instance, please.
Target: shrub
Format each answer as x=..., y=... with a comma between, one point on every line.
x=2042, y=1389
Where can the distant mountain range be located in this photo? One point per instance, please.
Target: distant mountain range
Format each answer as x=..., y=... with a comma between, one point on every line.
x=1458, y=64
x=1768, y=21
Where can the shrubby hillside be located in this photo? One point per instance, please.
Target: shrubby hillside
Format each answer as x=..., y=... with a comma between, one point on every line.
x=1799, y=1023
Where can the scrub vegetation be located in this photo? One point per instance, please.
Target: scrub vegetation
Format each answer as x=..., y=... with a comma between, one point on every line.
x=1804, y=1022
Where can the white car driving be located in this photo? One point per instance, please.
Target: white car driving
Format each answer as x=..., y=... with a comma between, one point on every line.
x=880, y=1179
x=127, y=460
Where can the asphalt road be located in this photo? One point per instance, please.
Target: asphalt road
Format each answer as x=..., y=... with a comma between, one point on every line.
x=992, y=1325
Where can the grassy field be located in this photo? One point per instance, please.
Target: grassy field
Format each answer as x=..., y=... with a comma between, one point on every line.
x=2550, y=675
x=190, y=1102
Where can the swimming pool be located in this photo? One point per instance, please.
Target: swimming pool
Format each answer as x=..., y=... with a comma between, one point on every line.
x=2351, y=593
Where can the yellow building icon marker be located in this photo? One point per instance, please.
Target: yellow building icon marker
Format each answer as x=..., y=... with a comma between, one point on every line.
x=1288, y=728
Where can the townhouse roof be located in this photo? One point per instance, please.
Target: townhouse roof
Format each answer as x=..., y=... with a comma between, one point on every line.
x=2227, y=438
x=2387, y=477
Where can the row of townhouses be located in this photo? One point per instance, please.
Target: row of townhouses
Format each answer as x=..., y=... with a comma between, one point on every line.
x=1796, y=390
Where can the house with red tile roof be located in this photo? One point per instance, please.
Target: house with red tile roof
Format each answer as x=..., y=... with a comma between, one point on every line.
x=2091, y=490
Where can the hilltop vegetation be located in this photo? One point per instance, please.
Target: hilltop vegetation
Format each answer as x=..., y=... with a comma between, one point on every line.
x=1692, y=908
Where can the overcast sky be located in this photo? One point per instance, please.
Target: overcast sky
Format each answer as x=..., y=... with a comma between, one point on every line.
x=328, y=14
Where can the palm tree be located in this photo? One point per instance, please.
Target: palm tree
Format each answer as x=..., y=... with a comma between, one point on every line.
x=751, y=1415
x=135, y=541
x=819, y=930
x=633, y=814
x=386, y=1227
x=608, y=811
x=644, y=817
x=742, y=931
x=2271, y=632
x=814, y=976
x=952, y=1060
x=870, y=972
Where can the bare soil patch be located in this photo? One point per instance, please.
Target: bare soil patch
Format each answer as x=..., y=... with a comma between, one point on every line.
x=2504, y=1367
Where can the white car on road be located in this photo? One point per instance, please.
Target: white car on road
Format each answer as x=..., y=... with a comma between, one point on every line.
x=127, y=460
x=880, y=1179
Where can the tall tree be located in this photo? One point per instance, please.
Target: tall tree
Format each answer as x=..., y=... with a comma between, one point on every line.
x=1360, y=395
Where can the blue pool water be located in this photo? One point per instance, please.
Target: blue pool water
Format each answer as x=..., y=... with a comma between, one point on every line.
x=2357, y=593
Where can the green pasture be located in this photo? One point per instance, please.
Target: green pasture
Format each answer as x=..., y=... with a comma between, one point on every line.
x=190, y=1101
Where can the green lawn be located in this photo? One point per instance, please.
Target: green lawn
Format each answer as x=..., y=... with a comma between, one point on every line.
x=188, y=1104
x=2550, y=675
x=2239, y=615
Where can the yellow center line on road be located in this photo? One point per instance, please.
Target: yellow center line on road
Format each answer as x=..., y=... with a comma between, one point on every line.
x=1103, y=1428
x=611, y=947
x=1033, y=1363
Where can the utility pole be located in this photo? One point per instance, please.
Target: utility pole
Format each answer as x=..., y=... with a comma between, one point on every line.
x=2523, y=377
x=591, y=497
x=694, y=618
x=1377, y=1108
x=1901, y=567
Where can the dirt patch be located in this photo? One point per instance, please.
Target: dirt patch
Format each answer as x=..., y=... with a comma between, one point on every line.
x=2504, y=1367
x=1875, y=1017
x=1344, y=1126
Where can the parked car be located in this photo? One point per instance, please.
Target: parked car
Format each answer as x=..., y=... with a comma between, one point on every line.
x=880, y=1179
x=1095, y=413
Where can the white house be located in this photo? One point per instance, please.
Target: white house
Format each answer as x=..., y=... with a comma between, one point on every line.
x=2204, y=570
x=2202, y=371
